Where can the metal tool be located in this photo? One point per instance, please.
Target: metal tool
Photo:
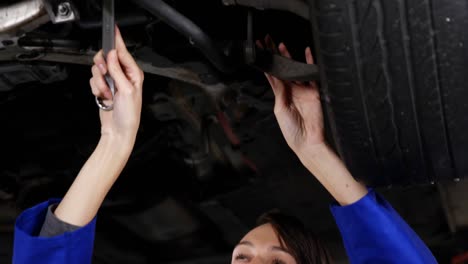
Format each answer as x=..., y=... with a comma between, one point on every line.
x=284, y=68
x=274, y=64
x=108, y=44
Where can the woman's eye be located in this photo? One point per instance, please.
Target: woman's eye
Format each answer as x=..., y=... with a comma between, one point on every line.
x=278, y=261
x=241, y=257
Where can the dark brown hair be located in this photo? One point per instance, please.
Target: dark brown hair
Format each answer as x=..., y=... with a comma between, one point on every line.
x=303, y=245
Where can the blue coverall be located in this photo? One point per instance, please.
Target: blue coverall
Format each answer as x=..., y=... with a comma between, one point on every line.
x=371, y=229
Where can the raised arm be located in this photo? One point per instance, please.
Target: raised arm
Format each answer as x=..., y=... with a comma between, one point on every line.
x=372, y=230
x=118, y=132
x=66, y=235
x=299, y=113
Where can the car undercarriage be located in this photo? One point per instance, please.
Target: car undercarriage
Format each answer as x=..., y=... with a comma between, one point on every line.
x=209, y=157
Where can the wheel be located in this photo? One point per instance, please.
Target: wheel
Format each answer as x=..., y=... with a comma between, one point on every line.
x=394, y=78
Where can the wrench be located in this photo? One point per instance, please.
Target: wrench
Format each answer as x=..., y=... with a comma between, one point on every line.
x=108, y=44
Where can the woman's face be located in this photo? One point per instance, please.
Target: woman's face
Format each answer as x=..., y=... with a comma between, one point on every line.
x=261, y=245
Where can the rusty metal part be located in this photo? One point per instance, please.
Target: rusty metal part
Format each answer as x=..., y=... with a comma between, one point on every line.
x=20, y=17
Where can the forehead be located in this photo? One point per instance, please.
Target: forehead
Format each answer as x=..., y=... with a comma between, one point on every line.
x=263, y=235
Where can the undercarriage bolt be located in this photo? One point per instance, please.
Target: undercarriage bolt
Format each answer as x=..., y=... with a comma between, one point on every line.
x=64, y=9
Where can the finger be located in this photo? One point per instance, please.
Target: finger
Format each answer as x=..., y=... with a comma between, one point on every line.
x=279, y=89
x=119, y=42
x=94, y=88
x=100, y=83
x=284, y=50
x=308, y=55
x=100, y=62
x=126, y=59
x=115, y=71
x=277, y=86
x=270, y=44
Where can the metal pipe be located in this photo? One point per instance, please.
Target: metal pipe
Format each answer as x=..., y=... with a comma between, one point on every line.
x=297, y=7
x=186, y=27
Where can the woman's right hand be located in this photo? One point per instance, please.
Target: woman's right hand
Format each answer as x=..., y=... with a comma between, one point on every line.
x=118, y=133
x=123, y=121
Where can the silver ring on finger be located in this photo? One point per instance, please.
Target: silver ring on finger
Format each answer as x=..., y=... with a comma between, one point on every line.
x=102, y=105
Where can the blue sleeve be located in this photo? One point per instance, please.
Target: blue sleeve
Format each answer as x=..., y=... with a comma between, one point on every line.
x=373, y=232
x=71, y=247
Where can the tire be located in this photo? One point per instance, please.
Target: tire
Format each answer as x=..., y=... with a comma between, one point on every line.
x=394, y=77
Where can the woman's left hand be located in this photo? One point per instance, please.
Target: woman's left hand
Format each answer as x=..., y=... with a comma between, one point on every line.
x=299, y=114
x=297, y=107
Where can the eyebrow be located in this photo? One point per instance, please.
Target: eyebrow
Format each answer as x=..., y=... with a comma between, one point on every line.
x=273, y=248
x=246, y=243
x=282, y=249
